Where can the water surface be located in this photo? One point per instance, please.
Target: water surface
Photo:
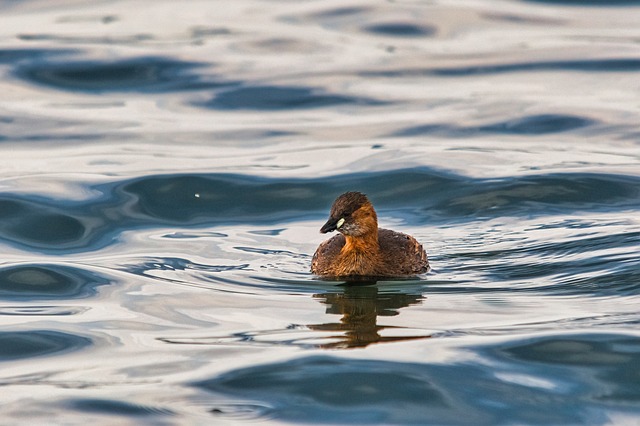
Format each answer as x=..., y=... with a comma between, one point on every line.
x=166, y=174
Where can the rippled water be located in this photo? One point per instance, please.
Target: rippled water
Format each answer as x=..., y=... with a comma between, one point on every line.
x=167, y=167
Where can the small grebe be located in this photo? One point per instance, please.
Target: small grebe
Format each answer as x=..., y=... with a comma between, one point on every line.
x=363, y=250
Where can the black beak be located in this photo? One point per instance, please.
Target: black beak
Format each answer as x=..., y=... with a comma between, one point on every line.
x=329, y=226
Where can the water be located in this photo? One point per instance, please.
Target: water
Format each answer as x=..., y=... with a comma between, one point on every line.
x=166, y=169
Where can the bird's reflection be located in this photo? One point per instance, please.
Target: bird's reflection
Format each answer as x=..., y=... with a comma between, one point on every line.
x=360, y=304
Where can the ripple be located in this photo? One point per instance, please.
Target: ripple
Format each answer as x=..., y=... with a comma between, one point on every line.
x=240, y=411
x=340, y=12
x=194, y=235
x=41, y=310
x=539, y=124
x=150, y=75
x=26, y=344
x=607, y=281
x=586, y=257
x=57, y=225
x=83, y=39
x=146, y=265
x=400, y=29
x=544, y=194
x=529, y=125
x=42, y=281
x=114, y=407
x=281, y=98
x=581, y=65
x=13, y=56
x=602, y=264
x=271, y=252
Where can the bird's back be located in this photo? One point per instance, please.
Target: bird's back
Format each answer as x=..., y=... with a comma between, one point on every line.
x=402, y=254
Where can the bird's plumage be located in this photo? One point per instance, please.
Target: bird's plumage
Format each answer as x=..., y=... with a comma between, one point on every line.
x=361, y=248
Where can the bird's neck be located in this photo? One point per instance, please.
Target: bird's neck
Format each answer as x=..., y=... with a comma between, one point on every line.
x=366, y=243
x=360, y=255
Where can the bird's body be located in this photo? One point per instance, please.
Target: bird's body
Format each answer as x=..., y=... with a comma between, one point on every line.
x=362, y=249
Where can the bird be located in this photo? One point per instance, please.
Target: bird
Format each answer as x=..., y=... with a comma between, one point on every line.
x=361, y=249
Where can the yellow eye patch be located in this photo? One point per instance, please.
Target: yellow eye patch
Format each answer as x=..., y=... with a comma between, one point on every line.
x=339, y=223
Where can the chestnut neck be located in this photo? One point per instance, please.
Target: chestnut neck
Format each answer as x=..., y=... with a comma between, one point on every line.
x=360, y=254
x=363, y=243
x=367, y=239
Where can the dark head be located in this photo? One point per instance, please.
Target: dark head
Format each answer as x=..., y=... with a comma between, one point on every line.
x=352, y=214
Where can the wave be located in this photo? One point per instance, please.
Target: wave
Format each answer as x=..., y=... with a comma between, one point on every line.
x=418, y=195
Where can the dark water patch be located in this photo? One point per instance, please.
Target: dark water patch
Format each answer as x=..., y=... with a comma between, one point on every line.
x=523, y=19
x=254, y=134
x=527, y=126
x=145, y=75
x=538, y=124
x=563, y=379
x=340, y=12
x=42, y=281
x=269, y=232
x=49, y=138
x=400, y=29
x=439, y=129
x=202, y=32
x=13, y=56
x=40, y=310
x=606, y=364
x=543, y=194
x=577, y=351
x=83, y=39
x=237, y=198
x=112, y=407
x=27, y=344
x=35, y=224
x=269, y=98
x=580, y=65
x=333, y=390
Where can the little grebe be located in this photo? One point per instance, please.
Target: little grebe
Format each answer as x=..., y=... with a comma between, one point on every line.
x=363, y=250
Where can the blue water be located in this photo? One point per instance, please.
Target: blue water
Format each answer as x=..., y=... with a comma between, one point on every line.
x=167, y=167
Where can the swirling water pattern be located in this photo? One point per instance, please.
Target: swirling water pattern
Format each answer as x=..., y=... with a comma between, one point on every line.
x=167, y=168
